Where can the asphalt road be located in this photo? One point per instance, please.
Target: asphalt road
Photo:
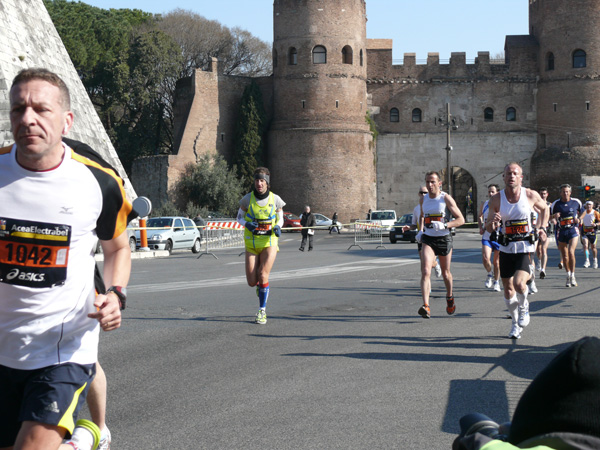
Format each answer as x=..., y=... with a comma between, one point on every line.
x=344, y=361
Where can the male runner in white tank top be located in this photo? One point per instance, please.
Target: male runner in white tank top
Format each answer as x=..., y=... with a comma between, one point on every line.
x=510, y=210
x=436, y=239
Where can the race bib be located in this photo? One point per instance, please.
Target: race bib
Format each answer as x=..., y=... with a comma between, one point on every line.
x=263, y=228
x=589, y=230
x=516, y=227
x=33, y=254
x=430, y=218
x=567, y=222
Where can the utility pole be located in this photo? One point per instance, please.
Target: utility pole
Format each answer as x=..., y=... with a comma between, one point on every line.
x=450, y=124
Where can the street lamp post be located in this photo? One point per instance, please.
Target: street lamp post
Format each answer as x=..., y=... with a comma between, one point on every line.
x=450, y=124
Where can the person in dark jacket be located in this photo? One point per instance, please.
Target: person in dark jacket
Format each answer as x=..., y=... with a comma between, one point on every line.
x=559, y=409
x=334, y=224
x=307, y=220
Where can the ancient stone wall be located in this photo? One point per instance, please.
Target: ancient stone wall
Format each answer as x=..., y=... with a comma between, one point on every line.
x=29, y=39
x=404, y=158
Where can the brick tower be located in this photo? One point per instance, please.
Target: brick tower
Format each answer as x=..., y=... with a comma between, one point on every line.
x=321, y=151
x=568, y=97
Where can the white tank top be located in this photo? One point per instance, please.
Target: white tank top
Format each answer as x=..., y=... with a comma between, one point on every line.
x=486, y=212
x=516, y=219
x=434, y=209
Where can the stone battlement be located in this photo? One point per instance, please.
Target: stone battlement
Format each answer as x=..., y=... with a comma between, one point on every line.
x=519, y=64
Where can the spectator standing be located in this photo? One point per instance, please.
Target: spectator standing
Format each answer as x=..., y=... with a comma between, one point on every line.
x=308, y=221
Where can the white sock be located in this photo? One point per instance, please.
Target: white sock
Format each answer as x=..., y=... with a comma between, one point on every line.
x=522, y=299
x=81, y=439
x=511, y=304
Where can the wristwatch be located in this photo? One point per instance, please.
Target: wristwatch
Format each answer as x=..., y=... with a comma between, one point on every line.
x=121, y=293
x=445, y=225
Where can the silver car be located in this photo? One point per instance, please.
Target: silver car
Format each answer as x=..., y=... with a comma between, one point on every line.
x=171, y=233
x=324, y=221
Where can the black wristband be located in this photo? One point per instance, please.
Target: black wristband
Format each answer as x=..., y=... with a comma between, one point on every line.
x=121, y=294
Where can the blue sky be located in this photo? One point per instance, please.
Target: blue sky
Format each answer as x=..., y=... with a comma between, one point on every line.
x=416, y=26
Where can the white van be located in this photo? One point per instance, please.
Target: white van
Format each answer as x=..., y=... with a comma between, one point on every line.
x=385, y=217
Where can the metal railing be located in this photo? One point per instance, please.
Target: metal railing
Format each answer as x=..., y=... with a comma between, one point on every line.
x=367, y=232
x=219, y=235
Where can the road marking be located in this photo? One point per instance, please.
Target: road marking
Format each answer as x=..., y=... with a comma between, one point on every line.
x=288, y=274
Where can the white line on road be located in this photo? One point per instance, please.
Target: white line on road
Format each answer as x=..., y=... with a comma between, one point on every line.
x=286, y=275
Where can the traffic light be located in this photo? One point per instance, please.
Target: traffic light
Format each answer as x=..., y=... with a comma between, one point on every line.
x=588, y=191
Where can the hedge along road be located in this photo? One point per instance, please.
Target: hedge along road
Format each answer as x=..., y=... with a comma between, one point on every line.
x=344, y=360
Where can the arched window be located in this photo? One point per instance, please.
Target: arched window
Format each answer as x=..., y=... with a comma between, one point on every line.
x=394, y=115
x=347, y=55
x=274, y=58
x=550, y=61
x=511, y=114
x=293, y=56
x=319, y=55
x=416, y=115
x=579, y=58
x=488, y=115
x=361, y=57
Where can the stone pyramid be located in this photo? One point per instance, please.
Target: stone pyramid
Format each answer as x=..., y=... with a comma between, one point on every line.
x=29, y=39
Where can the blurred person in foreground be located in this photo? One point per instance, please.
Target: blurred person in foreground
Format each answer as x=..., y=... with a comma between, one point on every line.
x=558, y=411
x=54, y=205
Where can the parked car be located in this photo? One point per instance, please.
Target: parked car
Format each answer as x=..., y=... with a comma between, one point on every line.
x=396, y=233
x=386, y=217
x=171, y=233
x=291, y=221
x=324, y=221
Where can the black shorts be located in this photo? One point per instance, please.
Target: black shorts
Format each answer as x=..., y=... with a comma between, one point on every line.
x=441, y=245
x=51, y=395
x=511, y=262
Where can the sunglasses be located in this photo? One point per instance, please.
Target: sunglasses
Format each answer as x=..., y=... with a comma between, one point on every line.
x=423, y=193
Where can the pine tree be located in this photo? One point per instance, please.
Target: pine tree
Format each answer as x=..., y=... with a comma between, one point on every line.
x=249, y=135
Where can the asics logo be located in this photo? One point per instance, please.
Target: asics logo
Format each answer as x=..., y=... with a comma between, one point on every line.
x=24, y=276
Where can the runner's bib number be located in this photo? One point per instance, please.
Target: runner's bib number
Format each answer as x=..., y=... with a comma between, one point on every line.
x=430, y=218
x=33, y=254
x=567, y=222
x=516, y=227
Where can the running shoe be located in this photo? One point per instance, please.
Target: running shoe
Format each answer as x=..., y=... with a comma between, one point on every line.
x=595, y=266
x=425, y=312
x=560, y=265
x=438, y=270
x=450, y=306
x=573, y=280
x=568, y=283
x=261, y=317
x=497, y=287
x=515, y=331
x=524, y=315
x=586, y=264
x=542, y=274
x=105, y=440
x=489, y=281
x=532, y=287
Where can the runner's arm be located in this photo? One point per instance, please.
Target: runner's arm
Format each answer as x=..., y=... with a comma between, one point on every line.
x=494, y=217
x=458, y=217
x=117, y=268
